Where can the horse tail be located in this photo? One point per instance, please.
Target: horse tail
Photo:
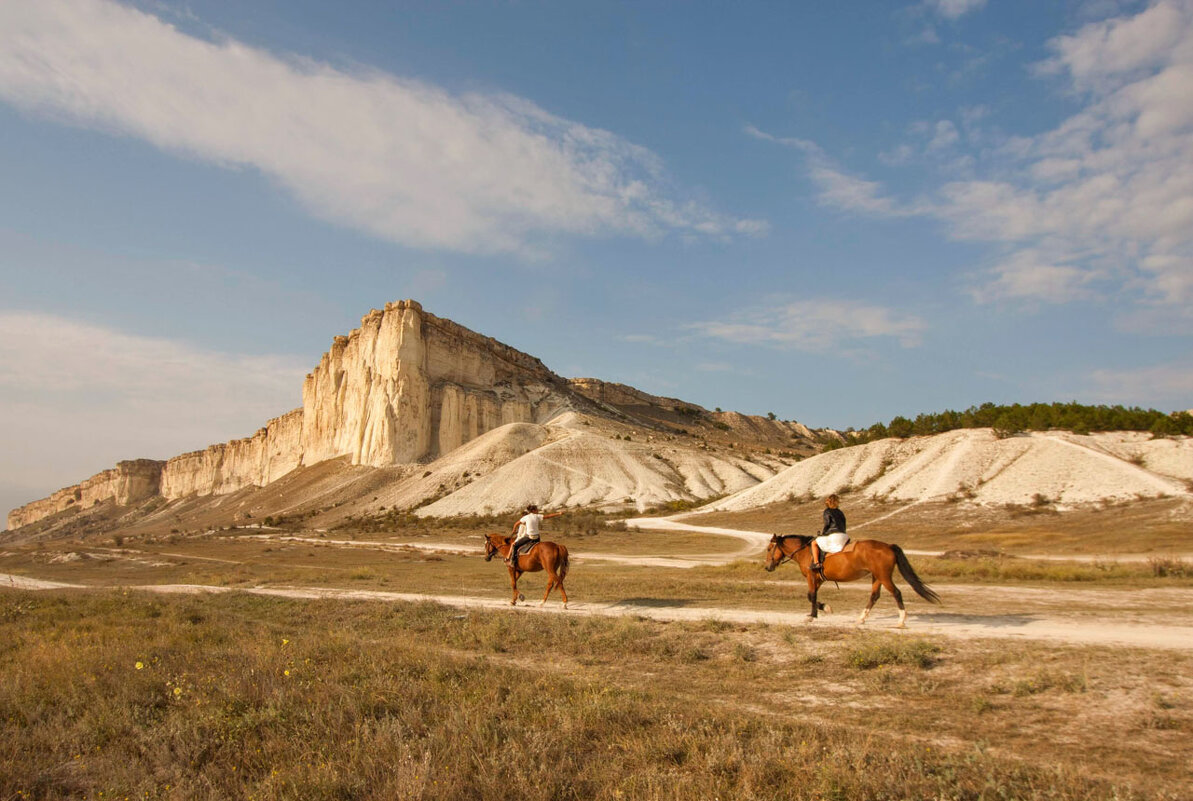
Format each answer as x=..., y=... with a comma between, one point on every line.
x=922, y=589
x=563, y=562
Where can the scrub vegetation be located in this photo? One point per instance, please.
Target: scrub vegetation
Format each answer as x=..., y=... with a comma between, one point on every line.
x=1013, y=418
x=114, y=694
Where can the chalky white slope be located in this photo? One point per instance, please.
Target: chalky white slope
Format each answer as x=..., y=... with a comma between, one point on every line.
x=1065, y=468
x=577, y=463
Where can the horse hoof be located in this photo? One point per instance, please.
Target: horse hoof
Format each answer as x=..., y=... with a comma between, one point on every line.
x=828, y=610
x=521, y=597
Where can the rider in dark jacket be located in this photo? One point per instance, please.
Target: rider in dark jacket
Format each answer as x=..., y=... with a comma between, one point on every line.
x=834, y=523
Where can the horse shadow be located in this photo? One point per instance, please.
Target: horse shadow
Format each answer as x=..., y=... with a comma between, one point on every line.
x=993, y=621
x=654, y=603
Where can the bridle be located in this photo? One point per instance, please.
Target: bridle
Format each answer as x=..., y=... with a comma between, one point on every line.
x=786, y=557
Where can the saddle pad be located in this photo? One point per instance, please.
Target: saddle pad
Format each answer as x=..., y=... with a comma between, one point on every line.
x=832, y=543
x=525, y=549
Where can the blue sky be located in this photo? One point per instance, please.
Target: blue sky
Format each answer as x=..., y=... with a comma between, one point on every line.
x=838, y=212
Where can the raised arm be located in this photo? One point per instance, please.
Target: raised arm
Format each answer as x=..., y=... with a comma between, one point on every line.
x=553, y=514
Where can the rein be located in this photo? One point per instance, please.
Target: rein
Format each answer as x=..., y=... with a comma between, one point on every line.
x=788, y=557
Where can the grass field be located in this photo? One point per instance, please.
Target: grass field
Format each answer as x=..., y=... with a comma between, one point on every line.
x=116, y=694
x=243, y=696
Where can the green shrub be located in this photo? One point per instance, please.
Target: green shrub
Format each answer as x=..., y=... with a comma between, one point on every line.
x=897, y=651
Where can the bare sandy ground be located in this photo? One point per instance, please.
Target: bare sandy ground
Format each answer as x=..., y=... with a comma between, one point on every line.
x=1152, y=618
x=1055, y=627
x=757, y=540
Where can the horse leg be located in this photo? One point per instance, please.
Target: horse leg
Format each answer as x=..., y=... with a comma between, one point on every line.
x=514, y=584
x=813, y=589
x=552, y=580
x=890, y=585
x=874, y=592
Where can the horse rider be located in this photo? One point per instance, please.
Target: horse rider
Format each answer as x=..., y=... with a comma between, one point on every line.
x=832, y=535
x=527, y=529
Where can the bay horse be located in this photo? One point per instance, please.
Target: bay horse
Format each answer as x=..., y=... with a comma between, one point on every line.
x=860, y=558
x=547, y=555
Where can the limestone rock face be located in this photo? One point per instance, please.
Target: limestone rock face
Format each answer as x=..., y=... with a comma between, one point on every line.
x=254, y=461
x=623, y=395
x=127, y=483
x=405, y=387
x=408, y=386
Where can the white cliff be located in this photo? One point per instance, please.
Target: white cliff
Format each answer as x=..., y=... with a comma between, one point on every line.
x=127, y=483
x=405, y=387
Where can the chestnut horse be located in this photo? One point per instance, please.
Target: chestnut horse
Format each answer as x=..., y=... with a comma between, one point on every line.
x=861, y=558
x=549, y=556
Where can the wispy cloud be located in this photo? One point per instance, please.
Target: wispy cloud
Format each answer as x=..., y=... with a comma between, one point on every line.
x=953, y=9
x=75, y=398
x=1032, y=275
x=814, y=325
x=1171, y=384
x=1105, y=197
x=401, y=159
x=838, y=189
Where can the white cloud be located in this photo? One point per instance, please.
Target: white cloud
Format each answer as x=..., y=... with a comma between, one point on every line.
x=1170, y=384
x=400, y=159
x=76, y=398
x=815, y=325
x=944, y=135
x=1029, y=274
x=1107, y=194
x=838, y=188
x=954, y=9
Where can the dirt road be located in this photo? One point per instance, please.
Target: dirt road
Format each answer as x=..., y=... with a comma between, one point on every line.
x=1055, y=627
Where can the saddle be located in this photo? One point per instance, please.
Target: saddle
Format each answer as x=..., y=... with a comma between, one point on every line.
x=527, y=548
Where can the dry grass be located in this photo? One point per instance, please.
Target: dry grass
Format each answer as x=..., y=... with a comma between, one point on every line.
x=1162, y=526
x=239, y=696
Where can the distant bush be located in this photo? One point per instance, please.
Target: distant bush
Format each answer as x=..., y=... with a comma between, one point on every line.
x=1162, y=567
x=1008, y=420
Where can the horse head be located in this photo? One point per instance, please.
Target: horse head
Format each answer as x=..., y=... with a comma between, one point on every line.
x=777, y=555
x=490, y=546
x=774, y=553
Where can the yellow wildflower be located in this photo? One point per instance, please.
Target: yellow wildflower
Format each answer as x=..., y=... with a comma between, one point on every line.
x=140, y=665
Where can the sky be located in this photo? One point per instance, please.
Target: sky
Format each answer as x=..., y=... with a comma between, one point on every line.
x=835, y=212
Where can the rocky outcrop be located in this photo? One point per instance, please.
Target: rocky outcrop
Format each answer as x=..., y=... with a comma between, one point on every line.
x=623, y=395
x=405, y=387
x=408, y=386
x=254, y=461
x=127, y=483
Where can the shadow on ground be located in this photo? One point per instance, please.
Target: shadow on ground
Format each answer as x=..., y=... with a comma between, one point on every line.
x=993, y=621
x=654, y=603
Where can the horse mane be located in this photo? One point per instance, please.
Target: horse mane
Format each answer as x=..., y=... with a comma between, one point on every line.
x=804, y=542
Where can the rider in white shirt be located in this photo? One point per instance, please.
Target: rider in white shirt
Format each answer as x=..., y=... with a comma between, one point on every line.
x=527, y=528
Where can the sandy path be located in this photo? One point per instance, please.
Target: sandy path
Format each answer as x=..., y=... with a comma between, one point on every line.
x=1051, y=628
x=393, y=546
x=758, y=540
